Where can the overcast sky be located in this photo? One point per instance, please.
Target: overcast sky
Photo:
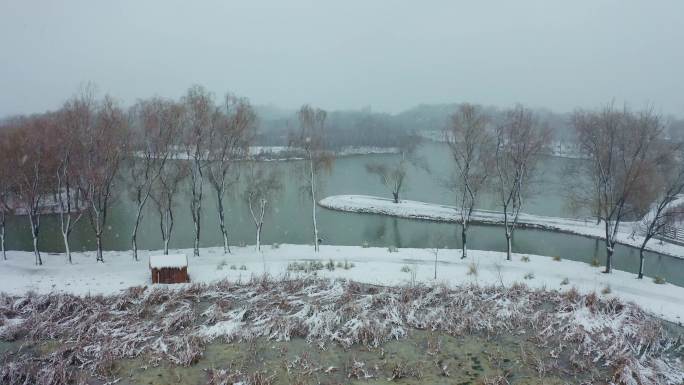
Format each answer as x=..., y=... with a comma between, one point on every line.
x=390, y=54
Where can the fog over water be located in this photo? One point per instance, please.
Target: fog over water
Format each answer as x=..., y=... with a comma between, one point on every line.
x=390, y=55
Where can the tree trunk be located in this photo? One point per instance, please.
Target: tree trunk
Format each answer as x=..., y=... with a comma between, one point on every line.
x=641, y=263
x=258, y=236
x=98, y=238
x=134, y=242
x=395, y=195
x=196, y=218
x=36, y=252
x=134, y=236
x=313, y=201
x=34, y=234
x=196, y=243
x=2, y=235
x=609, y=259
x=67, y=249
x=508, y=245
x=464, y=230
x=609, y=246
x=507, y=231
x=167, y=228
x=222, y=223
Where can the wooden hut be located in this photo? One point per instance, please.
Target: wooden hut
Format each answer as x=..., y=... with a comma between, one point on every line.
x=171, y=268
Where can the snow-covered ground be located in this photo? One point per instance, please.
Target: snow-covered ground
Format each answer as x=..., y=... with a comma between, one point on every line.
x=370, y=265
x=443, y=213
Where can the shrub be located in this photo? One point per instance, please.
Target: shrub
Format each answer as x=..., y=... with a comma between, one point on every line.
x=472, y=269
x=405, y=269
x=392, y=249
x=525, y=258
x=242, y=244
x=243, y=267
x=275, y=245
x=339, y=265
x=233, y=267
x=595, y=262
x=221, y=265
x=365, y=245
x=565, y=281
x=606, y=290
x=347, y=265
x=557, y=258
x=659, y=280
x=330, y=265
x=529, y=276
x=311, y=266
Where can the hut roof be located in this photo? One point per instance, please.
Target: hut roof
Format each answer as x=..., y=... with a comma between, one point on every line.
x=175, y=261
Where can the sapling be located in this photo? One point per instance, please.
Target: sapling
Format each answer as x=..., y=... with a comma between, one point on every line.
x=262, y=187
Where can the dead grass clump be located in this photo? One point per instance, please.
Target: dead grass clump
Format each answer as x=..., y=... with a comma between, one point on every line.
x=260, y=378
x=403, y=369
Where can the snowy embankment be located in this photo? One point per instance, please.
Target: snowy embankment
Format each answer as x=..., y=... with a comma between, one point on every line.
x=443, y=213
x=273, y=153
x=370, y=265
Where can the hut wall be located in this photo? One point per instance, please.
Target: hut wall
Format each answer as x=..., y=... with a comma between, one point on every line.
x=170, y=275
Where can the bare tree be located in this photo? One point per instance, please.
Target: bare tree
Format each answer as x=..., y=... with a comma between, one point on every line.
x=33, y=167
x=394, y=175
x=520, y=141
x=6, y=188
x=668, y=207
x=233, y=131
x=261, y=188
x=159, y=123
x=164, y=193
x=200, y=113
x=390, y=176
x=621, y=146
x=472, y=149
x=106, y=144
x=311, y=140
x=74, y=119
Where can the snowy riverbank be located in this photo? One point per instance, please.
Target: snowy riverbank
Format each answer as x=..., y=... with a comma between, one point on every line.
x=444, y=213
x=370, y=265
x=281, y=153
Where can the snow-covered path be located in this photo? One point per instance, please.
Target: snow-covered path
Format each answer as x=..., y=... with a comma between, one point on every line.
x=371, y=265
x=443, y=213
